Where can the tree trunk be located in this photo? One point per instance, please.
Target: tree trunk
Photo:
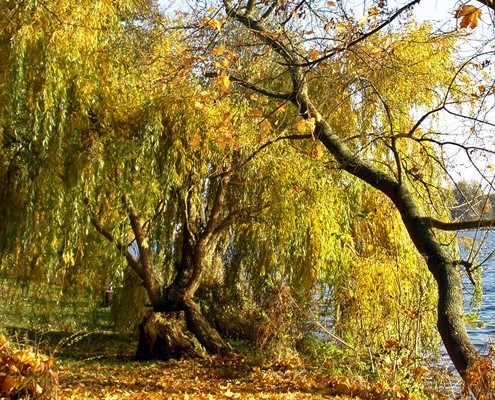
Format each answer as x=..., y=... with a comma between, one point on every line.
x=450, y=320
x=164, y=336
x=179, y=295
x=204, y=332
x=167, y=331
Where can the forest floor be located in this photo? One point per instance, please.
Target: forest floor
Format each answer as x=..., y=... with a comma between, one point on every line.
x=211, y=378
x=101, y=366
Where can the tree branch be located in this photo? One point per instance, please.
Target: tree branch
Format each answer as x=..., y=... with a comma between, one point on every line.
x=121, y=247
x=258, y=89
x=361, y=38
x=218, y=204
x=459, y=225
x=137, y=229
x=264, y=145
x=488, y=3
x=150, y=281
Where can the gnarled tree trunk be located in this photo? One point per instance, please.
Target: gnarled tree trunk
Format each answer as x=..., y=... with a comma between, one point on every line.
x=168, y=330
x=164, y=336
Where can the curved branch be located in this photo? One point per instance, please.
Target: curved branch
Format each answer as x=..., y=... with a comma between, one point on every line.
x=269, y=143
x=459, y=225
x=260, y=90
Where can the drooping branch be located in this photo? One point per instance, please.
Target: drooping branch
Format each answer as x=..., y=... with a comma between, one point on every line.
x=270, y=142
x=445, y=271
x=121, y=247
x=363, y=37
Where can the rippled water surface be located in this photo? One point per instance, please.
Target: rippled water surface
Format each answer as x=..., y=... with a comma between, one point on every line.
x=483, y=248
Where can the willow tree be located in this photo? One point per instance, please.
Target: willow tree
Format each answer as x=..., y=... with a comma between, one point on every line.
x=95, y=130
x=109, y=127
x=374, y=127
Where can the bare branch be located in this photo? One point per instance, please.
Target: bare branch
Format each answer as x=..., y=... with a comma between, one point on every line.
x=258, y=89
x=459, y=225
x=361, y=38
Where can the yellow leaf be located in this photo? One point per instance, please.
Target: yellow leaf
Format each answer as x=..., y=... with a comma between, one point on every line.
x=195, y=143
x=226, y=81
x=373, y=12
x=305, y=125
x=469, y=14
x=375, y=52
x=213, y=23
x=265, y=125
x=301, y=126
x=218, y=50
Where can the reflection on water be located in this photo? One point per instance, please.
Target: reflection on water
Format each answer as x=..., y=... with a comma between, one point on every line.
x=482, y=249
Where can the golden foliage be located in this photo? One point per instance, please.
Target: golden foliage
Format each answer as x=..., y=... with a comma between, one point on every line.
x=480, y=379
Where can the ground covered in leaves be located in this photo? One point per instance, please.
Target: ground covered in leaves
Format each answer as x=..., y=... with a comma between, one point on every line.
x=100, y=366
x=231, y=377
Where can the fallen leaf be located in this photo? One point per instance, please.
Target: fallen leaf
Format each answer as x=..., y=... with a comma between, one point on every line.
x=255, y=112
x=218, y=50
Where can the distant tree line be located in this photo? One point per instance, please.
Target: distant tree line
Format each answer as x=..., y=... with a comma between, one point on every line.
x=472, y=201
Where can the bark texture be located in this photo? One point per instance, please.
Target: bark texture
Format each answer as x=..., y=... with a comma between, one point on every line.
x=164, y=336
x=167, y=331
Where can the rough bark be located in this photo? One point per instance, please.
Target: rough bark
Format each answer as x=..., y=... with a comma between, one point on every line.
x=204, y=332
x=450, y=320
x=164, y=336
x=162, y=333
x=180, y=296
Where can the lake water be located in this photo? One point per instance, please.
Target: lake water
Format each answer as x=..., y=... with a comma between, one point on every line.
x=484, y=335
